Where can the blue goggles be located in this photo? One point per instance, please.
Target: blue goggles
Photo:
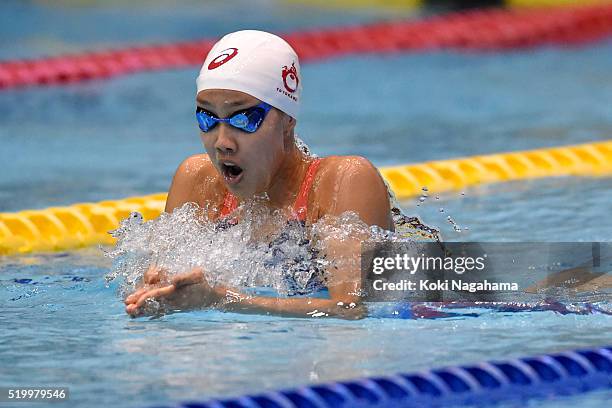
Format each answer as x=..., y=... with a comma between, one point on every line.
x=248, y=120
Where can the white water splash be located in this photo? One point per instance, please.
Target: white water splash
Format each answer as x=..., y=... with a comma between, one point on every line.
x=262, y=250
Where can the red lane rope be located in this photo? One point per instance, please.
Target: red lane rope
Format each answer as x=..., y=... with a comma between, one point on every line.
x=477, y=30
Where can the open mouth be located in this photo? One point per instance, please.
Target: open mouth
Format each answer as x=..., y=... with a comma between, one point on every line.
x=231, y=172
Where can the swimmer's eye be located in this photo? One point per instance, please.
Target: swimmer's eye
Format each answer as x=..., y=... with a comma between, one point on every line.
x=247, y=120
x=206, y=120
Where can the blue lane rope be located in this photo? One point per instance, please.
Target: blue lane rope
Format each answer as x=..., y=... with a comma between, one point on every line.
x=560, y=374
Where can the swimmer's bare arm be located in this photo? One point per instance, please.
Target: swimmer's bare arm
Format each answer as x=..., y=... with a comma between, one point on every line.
x=193, y=182
x=343, y=285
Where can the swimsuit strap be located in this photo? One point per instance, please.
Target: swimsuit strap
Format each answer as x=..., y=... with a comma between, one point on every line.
x=300, y=207
x=230, y=202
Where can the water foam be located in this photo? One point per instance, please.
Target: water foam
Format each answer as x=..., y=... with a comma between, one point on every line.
x=262, y=250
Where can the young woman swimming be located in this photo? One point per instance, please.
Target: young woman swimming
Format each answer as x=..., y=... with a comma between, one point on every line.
x=248, y=96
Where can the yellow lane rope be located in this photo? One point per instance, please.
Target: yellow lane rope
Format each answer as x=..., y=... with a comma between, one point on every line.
x=80, y=225
x=74, y=226
x=592, y=159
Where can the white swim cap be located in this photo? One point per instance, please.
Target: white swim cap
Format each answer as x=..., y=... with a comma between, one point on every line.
x=258, y=63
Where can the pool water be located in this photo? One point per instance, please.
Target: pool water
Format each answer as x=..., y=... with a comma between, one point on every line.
x=61, y=324
x=65, y=327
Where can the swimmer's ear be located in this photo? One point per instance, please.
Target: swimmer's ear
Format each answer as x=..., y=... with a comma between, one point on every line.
x=288, y=130
x=289, y=125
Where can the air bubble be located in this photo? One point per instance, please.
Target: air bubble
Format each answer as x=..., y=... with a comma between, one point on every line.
x=453, y=223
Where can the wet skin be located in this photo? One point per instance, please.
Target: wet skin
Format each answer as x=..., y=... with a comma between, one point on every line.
x=270, y=163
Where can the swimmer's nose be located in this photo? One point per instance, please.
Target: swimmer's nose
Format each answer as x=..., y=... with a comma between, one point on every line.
x=225, y=143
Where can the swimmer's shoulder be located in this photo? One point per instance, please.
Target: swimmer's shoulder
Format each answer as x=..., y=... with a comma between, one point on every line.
x=195, y=181
x=352, y=183
x=350, y=176
x=336, y=165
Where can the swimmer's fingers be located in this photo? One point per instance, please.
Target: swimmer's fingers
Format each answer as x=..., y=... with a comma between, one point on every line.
x=358, y=312
x=156, y=294
x=135, y=308
x=132, y=310
x=135, y=296
x=354, y=312
x=155, y=274
x=151, y=276
x=187, y=291
x=196, y=275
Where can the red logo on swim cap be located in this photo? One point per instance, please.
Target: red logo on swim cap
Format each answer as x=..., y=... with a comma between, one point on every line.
x=290, y=78
x=223, y=58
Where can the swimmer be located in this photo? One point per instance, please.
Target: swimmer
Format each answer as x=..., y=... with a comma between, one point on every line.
x=248, y=96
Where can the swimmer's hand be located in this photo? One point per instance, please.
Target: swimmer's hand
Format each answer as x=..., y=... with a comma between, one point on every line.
x=186, y=291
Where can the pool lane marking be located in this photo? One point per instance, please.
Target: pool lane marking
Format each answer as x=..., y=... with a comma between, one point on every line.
x=477, y=30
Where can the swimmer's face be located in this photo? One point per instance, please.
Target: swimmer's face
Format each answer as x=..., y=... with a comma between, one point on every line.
x=247, y=162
